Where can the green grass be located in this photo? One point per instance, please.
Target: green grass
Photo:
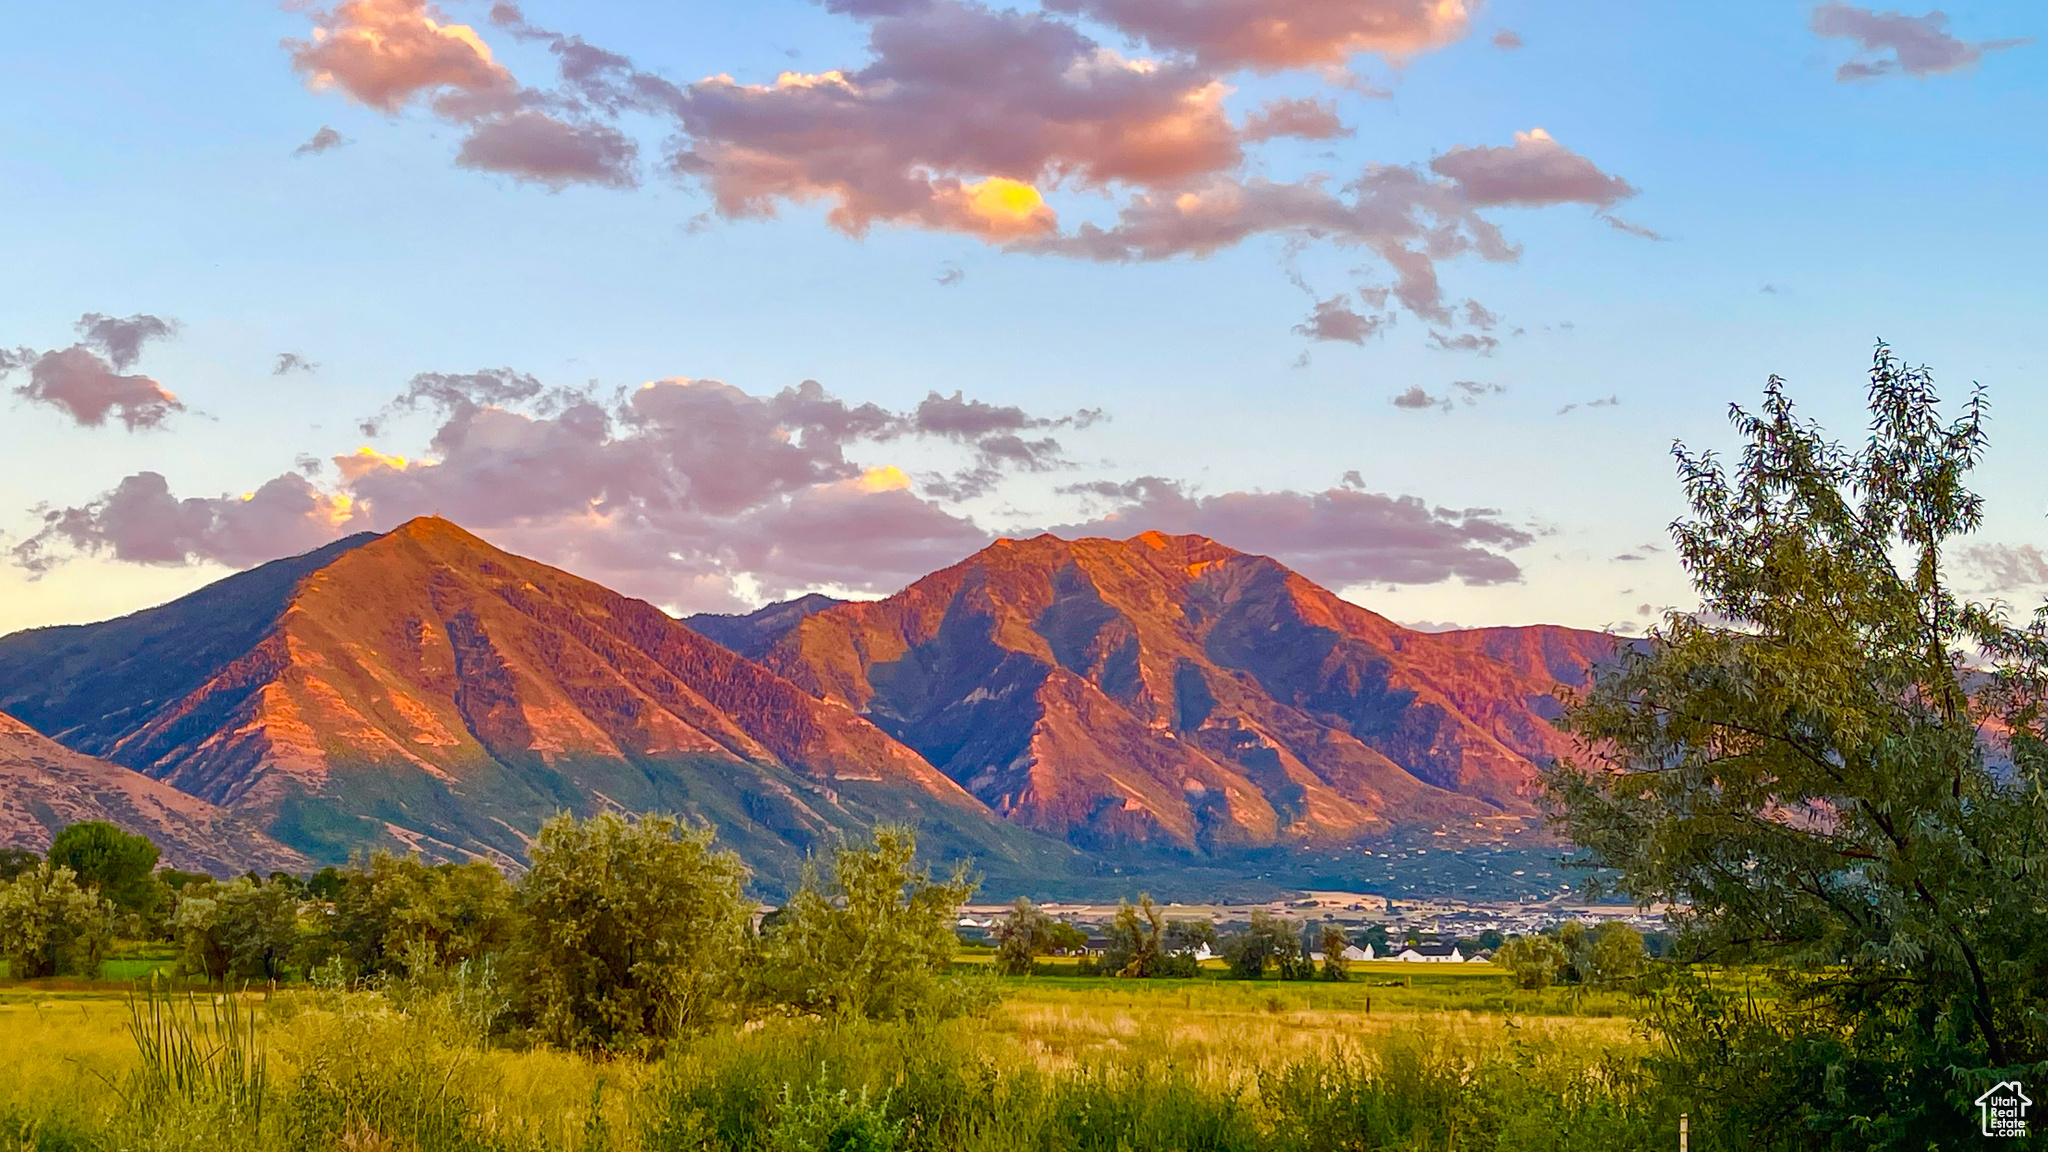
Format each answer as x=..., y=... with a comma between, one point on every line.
x=1448, y=1059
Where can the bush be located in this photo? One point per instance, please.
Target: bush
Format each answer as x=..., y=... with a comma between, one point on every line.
x=401, y=917
x=51, y=926
x=1536, y=961
x=875, y=942
x=241, y=930
x=630, y=929
x=1267, y=941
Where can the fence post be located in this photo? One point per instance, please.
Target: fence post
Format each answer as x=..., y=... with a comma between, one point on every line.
x=1684, y=1132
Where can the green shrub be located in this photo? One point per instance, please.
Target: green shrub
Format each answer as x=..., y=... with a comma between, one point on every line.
x=630, y=930
x=876, y=942
x=51, y=926
x=243, y=930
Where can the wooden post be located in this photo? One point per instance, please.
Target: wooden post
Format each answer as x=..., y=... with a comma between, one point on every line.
x=1684, y=1132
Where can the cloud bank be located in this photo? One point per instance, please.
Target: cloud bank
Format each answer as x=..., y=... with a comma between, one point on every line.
x=699, y=495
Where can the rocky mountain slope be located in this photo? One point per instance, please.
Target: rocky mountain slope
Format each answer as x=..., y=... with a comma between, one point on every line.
x=1055, y=708
x=1169, y=691
x=424, y=690
x=45, y=786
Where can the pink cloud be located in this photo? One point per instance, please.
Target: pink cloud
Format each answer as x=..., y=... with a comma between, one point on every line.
x=141, y=522
x=1339, y=536
x=961, y=121
x=1919, y=45
x=1334, y=319
x=1274, y=35
x=1302, y=119
x=545, y=150
x=1534, y=171
x=967, y=119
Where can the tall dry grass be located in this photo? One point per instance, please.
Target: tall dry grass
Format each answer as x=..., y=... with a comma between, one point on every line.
x=1201, y=1066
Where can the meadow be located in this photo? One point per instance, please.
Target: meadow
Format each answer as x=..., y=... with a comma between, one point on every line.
x=1394, y=1059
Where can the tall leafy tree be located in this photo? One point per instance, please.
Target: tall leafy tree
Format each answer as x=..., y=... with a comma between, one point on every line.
x=1267, y=941
x=119, y=864
x=1835, y=770
x=1024, y=935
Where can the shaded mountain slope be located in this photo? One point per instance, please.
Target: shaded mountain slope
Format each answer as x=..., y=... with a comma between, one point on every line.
x=753, y=633
x=427, y=690
x=1167, y=690
x=45, y=786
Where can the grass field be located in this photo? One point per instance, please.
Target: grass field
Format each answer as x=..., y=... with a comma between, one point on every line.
x=1399, y=1057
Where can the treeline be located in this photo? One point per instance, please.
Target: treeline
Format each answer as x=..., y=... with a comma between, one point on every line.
x=621, y=934
x=1142, y=942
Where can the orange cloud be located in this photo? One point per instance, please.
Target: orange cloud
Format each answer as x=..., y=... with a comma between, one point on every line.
x=366, y=460
x=382, y=53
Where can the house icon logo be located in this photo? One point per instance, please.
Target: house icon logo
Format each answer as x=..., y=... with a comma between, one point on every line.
x=2002, y=1110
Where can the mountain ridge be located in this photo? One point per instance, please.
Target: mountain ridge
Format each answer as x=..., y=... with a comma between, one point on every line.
x=422, y=690
x=1054, y=708
x=1164, y=668
x=45, y=786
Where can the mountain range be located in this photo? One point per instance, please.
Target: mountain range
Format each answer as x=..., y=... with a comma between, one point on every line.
x=1052, y=708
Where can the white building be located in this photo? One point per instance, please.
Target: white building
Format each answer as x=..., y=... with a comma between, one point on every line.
x=1430, y=954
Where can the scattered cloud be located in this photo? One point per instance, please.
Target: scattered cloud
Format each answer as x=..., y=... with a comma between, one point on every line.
x=970, y=119
x=1534, y=171
x=2005, y=567
x=121, y=338
x=542, y=149
x=698, y=495
x=1463, y=342
x=87, y=382
x=949, y=275
x=1416, y=399
x=326, y=139
x=1340, y=536
x=1472, y=391
x=1334, y=319
x=675, y=491
x=1299, y=118
x=1603, y=402
x=1893, y=42
x=1507, y=40
x=388, y=54
x=290, y=362
x=1276, y=35
x=141, y=522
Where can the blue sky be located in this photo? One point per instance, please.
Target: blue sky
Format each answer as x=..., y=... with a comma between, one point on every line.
x=147, y=167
